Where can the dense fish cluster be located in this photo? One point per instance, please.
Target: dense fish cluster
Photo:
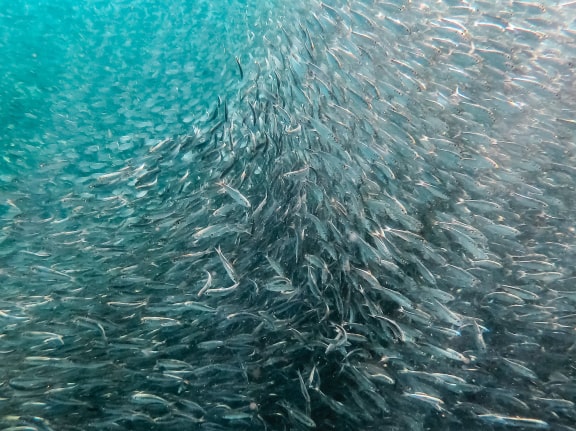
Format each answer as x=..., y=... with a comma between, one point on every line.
x=326, y=215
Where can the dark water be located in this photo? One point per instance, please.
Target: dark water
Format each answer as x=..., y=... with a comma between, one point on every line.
x=270, y=215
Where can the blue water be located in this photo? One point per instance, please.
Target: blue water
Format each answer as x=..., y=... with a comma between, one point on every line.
x=390, y=187
x=81, y=74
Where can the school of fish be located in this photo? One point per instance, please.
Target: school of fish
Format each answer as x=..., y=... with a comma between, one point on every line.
x=332, y=215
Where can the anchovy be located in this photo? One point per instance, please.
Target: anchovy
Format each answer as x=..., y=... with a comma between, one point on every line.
x=227, y=265
x=236, y=195
x=239, y=67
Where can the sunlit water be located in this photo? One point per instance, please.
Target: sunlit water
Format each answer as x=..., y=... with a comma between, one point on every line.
x=287, y=215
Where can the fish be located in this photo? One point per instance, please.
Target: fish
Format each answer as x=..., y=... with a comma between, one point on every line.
x=364, y=221
x=239, y=67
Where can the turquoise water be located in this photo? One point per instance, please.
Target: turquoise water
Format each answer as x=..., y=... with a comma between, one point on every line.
x=264, y=215
x=76, y=75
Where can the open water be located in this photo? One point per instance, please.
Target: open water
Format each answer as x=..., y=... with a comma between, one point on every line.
x=266, y=215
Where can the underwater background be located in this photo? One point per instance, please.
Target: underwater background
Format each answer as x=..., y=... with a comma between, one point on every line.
x=266, y=215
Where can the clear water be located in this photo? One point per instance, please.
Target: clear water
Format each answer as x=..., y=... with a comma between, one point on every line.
x=287, y=215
